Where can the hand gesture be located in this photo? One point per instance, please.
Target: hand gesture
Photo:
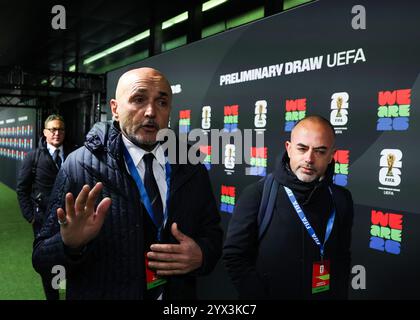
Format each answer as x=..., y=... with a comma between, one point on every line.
x=80, y=223
x=175, y=259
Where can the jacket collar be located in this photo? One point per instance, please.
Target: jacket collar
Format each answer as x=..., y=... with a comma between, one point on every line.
x=304, y=191
x=65, y=148
x=42, y=143
x=107, y=137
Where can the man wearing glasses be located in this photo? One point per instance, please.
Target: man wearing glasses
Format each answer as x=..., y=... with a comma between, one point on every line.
x=36, y=179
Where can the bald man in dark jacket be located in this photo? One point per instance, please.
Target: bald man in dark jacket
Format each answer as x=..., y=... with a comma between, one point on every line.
x=281, y=264
x=102, y=237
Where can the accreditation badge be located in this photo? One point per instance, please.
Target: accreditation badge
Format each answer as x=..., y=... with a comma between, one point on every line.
x=320, y=276
x=152, y=279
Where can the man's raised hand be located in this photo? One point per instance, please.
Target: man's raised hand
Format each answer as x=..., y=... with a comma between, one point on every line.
x=80, y=223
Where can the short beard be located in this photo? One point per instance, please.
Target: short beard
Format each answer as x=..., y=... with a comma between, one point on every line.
x=304, y=177
x=144, y=144
x=313, y=178
x=141, y=143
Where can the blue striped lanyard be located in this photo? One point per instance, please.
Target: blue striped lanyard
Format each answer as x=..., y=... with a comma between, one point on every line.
x=306, y=223
x=142, y=190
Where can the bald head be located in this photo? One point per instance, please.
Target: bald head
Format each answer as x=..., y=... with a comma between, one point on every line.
x=142, y=105
x=311, y=148
x=129, y=78
x=315, y=123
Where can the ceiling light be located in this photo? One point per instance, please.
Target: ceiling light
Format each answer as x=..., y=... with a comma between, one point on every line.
x=118, y=46
x=179, y=18
x=211, y=4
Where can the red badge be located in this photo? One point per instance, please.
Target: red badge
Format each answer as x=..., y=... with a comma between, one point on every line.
x=320, y=276
x=152, y=279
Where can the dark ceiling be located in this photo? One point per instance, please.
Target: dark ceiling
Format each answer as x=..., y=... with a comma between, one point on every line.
x=28, y=40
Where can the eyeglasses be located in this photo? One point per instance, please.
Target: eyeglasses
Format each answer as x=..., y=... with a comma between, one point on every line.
x=52, y=130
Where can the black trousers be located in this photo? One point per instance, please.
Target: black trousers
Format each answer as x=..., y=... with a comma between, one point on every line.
x=50, y=292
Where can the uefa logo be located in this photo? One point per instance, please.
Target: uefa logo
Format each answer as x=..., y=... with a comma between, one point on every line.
x=206, y=118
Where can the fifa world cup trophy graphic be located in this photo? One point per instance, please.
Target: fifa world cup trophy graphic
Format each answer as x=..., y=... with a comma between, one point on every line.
x=260, y=110
x=390, y=159
x=230, y=157
x=339, y=106
x=206, y=116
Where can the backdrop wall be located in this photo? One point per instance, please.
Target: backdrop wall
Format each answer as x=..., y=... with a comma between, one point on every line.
x=17, y=138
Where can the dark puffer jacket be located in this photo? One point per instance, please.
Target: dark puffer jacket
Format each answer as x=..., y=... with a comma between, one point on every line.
x=279, y=266
x=35, y=182
x=112, y=266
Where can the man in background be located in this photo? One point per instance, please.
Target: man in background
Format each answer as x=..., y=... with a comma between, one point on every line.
x=37, y=176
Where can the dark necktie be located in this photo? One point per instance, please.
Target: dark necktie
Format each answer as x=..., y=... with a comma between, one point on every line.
x=57, y=158
x=152, y=189
x=154, y=196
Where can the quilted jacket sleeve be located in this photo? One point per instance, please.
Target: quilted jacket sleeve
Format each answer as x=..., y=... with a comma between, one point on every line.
x=49, y=249
x=24, y=187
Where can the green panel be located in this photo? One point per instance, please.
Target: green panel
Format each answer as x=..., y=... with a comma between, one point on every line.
x=126, y=61
x=211, y=30
x=287, y=4
x=174, y=43
x=18, y=279
x=245, y=18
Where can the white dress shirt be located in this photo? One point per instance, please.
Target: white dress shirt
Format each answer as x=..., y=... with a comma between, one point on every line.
x=159, y=170
x=51, y=150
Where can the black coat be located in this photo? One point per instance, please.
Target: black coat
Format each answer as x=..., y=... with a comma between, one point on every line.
x=35, y=182
x=279, y=266
x=112, y=267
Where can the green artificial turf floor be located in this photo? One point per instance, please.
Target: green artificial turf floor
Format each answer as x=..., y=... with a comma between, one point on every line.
x=18, y=280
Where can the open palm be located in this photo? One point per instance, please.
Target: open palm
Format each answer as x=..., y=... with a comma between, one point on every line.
x=83, y=223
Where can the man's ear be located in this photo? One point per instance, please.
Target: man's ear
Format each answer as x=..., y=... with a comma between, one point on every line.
x=332, y=155
x=114, y=105
x=288, y=146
